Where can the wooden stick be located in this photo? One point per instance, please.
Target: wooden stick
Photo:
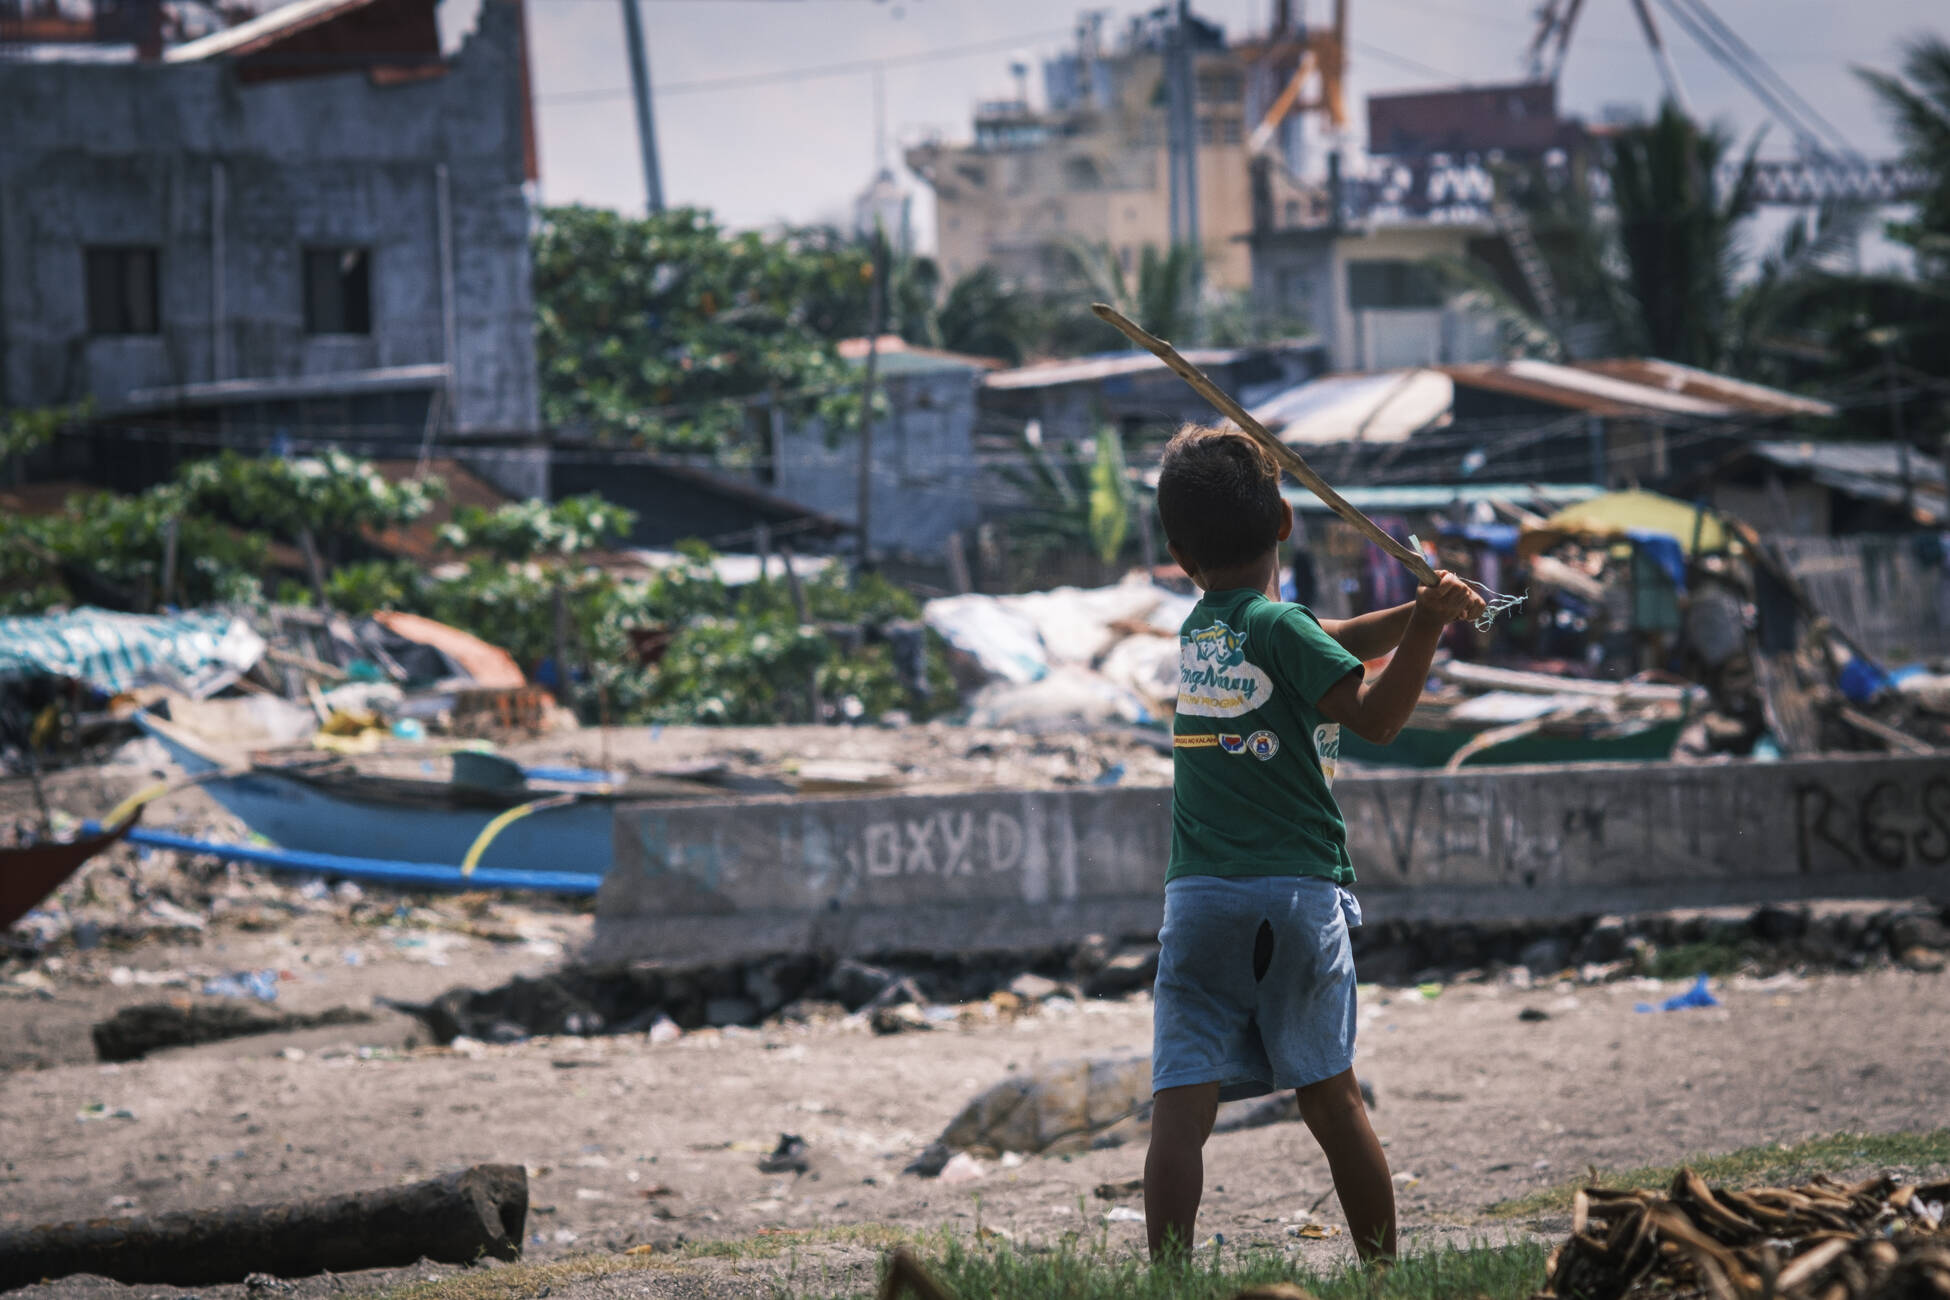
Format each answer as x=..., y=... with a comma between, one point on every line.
x=1288, y=459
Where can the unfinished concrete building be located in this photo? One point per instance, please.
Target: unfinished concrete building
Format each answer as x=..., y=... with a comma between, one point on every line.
x=312, y=223
x=1092, y=166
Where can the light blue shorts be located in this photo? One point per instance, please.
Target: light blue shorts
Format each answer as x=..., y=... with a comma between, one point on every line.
x=1255, y=986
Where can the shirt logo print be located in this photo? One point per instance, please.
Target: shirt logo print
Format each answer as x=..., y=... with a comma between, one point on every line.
x=1214, y=678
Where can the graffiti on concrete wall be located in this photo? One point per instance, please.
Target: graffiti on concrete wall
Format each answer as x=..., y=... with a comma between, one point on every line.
x=1040, y=845
x=1891, y=824
x=1727, y=822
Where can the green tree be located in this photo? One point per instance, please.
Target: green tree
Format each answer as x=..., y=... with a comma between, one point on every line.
x=332, y=496
x=663, y=330
x=1657, y=273
x=984, y=317
x=1110, y=496
x=1917, y=103
x=1161, y=296
x=109, y=550
x=527, y=530
x=1679, y=234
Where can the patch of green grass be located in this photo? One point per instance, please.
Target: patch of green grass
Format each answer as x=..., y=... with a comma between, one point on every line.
x=1081, y=1270
x=522, y=1281
x=1750, y=1165
x=770, y=1245
x=518, y=1281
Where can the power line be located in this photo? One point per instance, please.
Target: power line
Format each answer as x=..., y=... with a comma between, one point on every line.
x=1412, y=65
x=784, y=75
x=1738, y=58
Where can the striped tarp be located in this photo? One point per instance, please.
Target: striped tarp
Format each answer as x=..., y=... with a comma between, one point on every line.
x=196, y=653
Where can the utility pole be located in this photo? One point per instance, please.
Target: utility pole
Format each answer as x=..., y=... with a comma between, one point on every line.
x=1181, y=123
x=878, y=323
x=1897, y=434
x=646, y=122
x=1181, y=135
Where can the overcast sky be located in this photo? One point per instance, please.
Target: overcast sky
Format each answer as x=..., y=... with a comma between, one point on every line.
x=783, y=144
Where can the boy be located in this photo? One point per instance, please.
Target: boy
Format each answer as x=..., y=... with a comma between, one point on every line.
x=1255, y=987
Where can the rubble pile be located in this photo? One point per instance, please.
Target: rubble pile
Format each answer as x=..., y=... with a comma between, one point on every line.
x=1823, y=1240
x=1767, y=939
x=915, y=992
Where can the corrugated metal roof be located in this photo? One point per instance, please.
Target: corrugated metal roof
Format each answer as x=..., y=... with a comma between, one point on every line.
x=383, y=379
x=1107, y=365
x=899, y=357
x=1404, y=497
x=247, y=38
x=1580, y=390
x=1408, y=497
x=1871, y=471
x=1378, y=408
x=1874, y=460
x=1690, y=381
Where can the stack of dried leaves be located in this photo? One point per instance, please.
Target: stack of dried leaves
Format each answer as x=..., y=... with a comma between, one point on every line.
x=1824, y=1240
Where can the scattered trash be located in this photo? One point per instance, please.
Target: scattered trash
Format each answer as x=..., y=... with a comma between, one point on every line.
x=664, y=1030
x=1113, y=1191
x=1123, y=1214
x=260, y=984
x=1533, y=1014
x=1699, y=995
x=1313, y=1231
x=788, y=1157
x=100, y=1110
x=963, y=1168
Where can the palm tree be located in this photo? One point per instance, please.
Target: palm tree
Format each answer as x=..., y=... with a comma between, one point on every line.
x=1840, y=326
x=1679, y=234
x=986, y=318
x=1654, y=272
x=1918, y=106
x=1162, y=296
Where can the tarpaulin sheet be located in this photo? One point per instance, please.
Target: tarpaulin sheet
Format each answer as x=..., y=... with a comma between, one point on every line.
x=196, y=653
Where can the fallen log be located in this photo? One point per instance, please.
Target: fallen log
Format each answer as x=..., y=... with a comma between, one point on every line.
x=133, y=1032
x=454, y=1219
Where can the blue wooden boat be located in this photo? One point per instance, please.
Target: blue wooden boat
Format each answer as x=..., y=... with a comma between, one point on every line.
x=315, y=802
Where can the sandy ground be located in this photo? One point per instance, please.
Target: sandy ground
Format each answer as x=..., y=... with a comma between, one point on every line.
x=629, y=1143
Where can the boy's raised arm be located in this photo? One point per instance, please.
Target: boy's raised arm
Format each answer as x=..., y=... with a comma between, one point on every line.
x=1377, y=710
x=1371, y=635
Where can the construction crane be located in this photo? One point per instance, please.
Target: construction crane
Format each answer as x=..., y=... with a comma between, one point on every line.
x=1815, y=136
x=1318, y=57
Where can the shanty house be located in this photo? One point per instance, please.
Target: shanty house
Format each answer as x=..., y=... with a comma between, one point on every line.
x=1612, y=422
x=313, y=221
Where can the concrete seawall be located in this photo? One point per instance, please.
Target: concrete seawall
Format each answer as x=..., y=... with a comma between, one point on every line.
x=998, y=870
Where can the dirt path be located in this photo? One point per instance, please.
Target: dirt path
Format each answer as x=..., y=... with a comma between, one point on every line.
x=628, y=1142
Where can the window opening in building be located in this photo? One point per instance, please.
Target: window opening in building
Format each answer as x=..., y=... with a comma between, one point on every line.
x=338, y=291
x=1392, y=283
x=122, y=296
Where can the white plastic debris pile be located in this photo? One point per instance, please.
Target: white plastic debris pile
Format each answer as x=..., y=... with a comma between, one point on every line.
x=1070, y=656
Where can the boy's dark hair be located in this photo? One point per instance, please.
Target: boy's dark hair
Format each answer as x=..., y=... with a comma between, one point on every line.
x=1219, y=496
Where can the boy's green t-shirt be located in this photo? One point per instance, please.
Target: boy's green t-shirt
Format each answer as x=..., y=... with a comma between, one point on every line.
x=1252, y=757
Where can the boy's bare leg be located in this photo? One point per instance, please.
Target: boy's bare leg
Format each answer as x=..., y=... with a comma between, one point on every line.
x=1338, y=1120
x=1174, y=1166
